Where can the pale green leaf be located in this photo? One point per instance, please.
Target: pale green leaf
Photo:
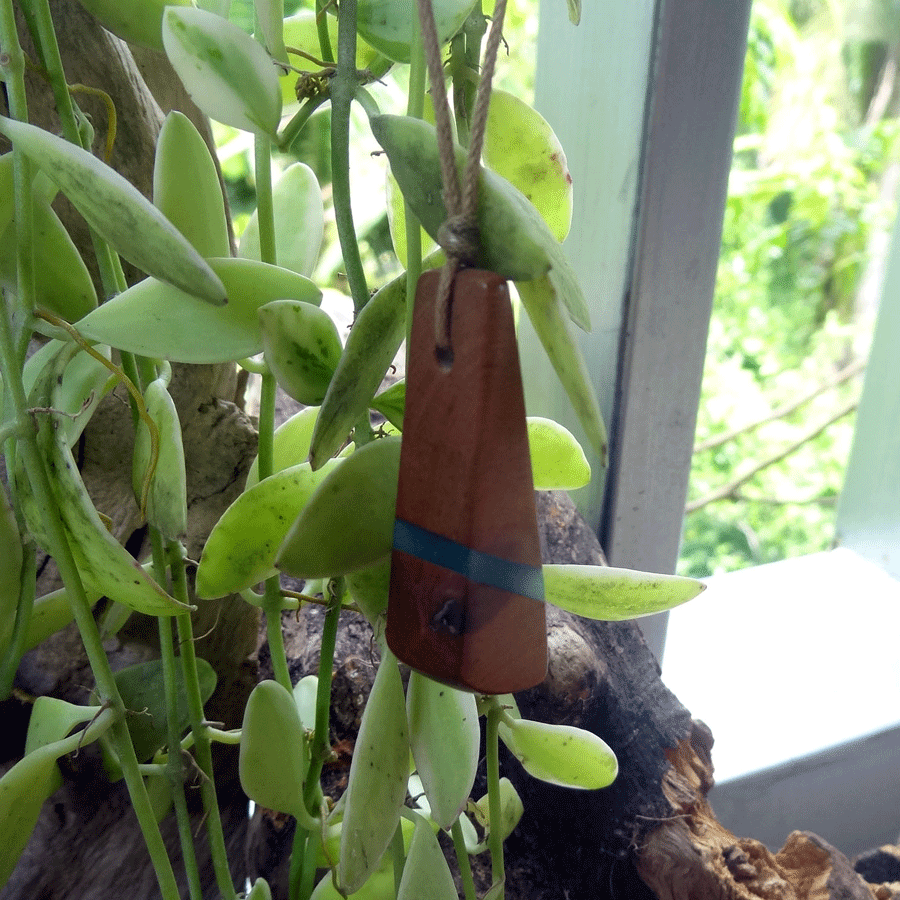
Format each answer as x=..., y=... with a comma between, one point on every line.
x=560, y=754
x=228, y=74
x=602, y=592
x=117, y=211
x=156, y=320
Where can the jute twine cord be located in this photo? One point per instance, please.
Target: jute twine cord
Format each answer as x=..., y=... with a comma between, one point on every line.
x=458, y=236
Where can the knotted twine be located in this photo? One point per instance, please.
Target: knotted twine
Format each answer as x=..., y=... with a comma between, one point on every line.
x=459, y=235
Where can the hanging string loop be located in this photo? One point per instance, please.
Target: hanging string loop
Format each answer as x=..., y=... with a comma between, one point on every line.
x=459, y=235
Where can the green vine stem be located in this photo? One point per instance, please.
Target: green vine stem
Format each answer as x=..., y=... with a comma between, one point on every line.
x=16, y=649
x=326, y=52
x=415, y=107
x=262, y=155
x=174, y=762
x=202, y=745
x=307, y=839
x=321, y=745
x=266, y=217
x=462, y=860
x=299, y=120
x=272, y=603
x=474, y=29
x=13, y=70
x=40, y=23
x=495, y=836
x=458, y=75
x=343, y=87
x=398, y=855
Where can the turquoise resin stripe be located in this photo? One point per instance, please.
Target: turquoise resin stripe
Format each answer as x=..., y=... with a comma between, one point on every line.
x=483, y=568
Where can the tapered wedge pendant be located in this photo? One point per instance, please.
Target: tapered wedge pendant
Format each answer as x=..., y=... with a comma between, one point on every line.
x=466, y=601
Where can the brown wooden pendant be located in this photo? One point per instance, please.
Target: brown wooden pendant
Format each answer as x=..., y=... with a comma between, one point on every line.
x=466, y=600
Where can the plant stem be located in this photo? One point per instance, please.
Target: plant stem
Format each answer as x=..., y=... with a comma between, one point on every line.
x=174, y=763
x=271, y=603
x=303, y=863
x=495, y=836
x=266, y=218
x=321, y=744
x=13, y=71
x=202, y=746
x=415, y=107
x=459, y=73
x=398, y=853
x=16, y=649
x=462, y=859
x=343, y=87
x=325, y=50
x=300, y=118
x=475, y=28
x=40, y=22
x=264, y=206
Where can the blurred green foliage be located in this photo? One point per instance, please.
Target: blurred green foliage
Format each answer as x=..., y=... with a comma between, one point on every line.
x=803, y=207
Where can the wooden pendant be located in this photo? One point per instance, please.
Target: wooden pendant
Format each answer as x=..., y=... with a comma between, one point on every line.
x=466, y=600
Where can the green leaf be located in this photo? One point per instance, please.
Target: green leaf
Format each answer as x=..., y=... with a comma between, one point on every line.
x=391, y=403
x=539, y=297
x=156, y=320
x=520, y=145
x=560, y=754
x=23, y=790
x=444, y=737
x=348, y=523
x=118, y=212
x=227, y=73
x=143, y=691
x=557, y=461
x=52, y=720
x=62, y=281
x=290, y=444
x=385, y=24
x=377, y=784
x=305, y=691
x=269, y=15
x=136, y=21
x=515, y=240
x=369, y=589
x=241, y=549
x=425, y=874
x=186, y=186
x=274, y=756
x=612, y=595
x=260, y=890
x=371, y=346
x=302, y=348
x=299, y=221
x=511, y=811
